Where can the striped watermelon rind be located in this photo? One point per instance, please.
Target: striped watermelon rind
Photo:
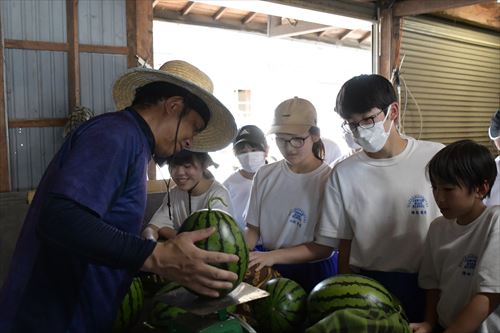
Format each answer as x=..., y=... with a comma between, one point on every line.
x=284, y=310
x=227, y=238
x=130, y=308
x=347, y=291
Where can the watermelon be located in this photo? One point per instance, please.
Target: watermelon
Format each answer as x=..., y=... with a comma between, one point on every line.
x=361, y=320
x=284, y=310
x=131, y=307
x=347, y=291
x=227, y=238
x=162, y=314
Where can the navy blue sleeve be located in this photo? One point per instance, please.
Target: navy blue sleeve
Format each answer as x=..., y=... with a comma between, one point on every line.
x=73, y=227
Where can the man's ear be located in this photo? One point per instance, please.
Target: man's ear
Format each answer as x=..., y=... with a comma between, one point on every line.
x=174, y=104
x=482, y=189
x=394, y=111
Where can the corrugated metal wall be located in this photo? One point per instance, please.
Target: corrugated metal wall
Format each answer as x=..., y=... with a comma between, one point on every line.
x=36, y=81
x=453, y=72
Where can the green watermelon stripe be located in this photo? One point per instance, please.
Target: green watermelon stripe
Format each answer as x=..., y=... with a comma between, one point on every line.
x=346, y=297
x=295, y=289
x=282, y=284
x=361, y=284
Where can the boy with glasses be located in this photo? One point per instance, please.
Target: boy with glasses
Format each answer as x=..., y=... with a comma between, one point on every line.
x=378, y=202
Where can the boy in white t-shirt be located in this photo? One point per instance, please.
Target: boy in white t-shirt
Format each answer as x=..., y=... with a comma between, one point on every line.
x=378, y=202
x=494, y=134
x=195, y=186
x=461, y=268
x=250, y=148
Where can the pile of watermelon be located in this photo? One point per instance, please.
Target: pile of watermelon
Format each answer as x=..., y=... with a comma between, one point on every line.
x=131, y=307
x=342, y=303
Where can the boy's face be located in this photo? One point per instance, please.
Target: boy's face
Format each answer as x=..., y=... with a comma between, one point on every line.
x=457, y=202
x=187, y=175
x=244, y=148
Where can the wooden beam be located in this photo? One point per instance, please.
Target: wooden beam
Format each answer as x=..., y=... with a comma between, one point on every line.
x=35, y=45
x=47, y=122
x=187, y=8
x=276, y=29
x=482, y=15
x=249, y=17
x=364, y=37
x=131, y=13
x=344, y=34
x=417, y=7
x=218, y=14
x=73, y=54
x=155, y=2
x=385, y=42
x=5, y=185
x=139, y=32
x=50, y=46
x=105, y=49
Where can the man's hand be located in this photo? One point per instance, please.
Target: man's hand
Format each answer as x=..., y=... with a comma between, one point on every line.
x=261, y=259
x=180, y=260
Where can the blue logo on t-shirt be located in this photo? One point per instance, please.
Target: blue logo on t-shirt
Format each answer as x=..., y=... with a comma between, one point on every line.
x=468, y=264
x=418, y=205
x=298, y=217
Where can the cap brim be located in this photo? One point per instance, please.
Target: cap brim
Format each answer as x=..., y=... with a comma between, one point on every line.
x=250, y=142
x=289, y=129
x=221, y=128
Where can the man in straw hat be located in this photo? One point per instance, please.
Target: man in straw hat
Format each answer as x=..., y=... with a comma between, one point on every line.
x=79, y=246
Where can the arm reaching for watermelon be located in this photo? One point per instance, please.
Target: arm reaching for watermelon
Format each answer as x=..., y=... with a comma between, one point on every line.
x=293, y=255
x=180, y=260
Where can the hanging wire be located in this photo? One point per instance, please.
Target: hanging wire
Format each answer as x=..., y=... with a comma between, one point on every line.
x=419, y=112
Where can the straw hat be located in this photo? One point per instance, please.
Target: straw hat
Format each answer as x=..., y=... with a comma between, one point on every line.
x=221, y=128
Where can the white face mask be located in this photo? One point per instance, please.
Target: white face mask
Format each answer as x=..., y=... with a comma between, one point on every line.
x=252, y=161
x=373, y=139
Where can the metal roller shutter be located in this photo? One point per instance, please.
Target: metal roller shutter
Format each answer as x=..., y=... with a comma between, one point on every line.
x=453, y=73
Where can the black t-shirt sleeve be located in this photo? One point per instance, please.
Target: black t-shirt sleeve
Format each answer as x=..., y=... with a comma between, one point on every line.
x=73, y=227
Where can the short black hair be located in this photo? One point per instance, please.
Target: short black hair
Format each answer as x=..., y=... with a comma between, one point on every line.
x=191, y=157
x=153, y=92
x=463, y=163
x=364, y=92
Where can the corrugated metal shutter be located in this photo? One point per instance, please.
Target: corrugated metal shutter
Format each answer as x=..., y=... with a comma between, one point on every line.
x=453, y=73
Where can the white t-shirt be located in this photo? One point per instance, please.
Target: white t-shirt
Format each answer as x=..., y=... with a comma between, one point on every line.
x=285, y=205
x=461, y=261
x=494, y=198
x=239, y=189
x=385, y=206
x=179, y=201
x=332, y=151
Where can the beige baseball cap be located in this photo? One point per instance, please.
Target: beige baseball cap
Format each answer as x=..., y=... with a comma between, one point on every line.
x=294, y=116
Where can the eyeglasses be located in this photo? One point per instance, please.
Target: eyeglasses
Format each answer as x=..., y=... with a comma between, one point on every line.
x=366, y=123
x=295, y=142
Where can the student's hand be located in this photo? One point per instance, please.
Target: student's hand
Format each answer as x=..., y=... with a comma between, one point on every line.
x=424, y=327
x=261, y=259
x=180, y=260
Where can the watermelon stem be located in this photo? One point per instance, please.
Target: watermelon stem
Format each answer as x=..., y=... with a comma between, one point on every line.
x=214, y=198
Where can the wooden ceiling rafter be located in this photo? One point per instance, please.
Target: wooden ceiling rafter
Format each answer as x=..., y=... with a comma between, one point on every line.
x=249, y=17
x=218, y=14
x=187, y=8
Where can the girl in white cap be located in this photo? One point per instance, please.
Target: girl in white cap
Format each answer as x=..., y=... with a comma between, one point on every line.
x=286, y=196
x=195, y=187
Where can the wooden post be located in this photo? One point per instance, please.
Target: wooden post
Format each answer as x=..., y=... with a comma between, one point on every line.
x=140, y=42
x=73, y=54
x=385, y=42
x=139, y=31
x=5, y=185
